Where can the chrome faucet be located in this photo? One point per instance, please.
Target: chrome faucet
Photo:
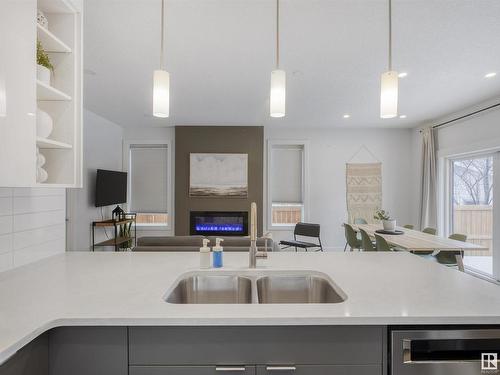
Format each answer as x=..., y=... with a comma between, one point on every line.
x=253, y=253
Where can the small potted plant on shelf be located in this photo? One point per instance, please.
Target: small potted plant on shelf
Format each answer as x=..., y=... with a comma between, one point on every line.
x=388, y=223
x=44, y=65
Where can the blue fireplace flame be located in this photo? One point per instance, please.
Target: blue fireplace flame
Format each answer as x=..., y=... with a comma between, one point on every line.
x=219, y=227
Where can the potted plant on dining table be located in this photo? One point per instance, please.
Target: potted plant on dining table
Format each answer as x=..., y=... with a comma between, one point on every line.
x=388, y=223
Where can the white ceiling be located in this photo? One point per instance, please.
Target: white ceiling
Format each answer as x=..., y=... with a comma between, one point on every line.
x=220, y=54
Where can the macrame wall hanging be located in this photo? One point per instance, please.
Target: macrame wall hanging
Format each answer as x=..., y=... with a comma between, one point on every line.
x=363, y=186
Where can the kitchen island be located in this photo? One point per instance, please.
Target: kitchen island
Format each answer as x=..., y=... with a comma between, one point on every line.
x=65, y=294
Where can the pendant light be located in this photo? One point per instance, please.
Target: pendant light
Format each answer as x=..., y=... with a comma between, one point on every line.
x=389, y=82
x=278, y=77
x=161, y=78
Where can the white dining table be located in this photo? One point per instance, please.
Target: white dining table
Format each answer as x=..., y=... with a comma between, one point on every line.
x=416, y=241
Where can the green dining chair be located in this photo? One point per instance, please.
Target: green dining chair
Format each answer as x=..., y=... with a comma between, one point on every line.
x=427, y=230
x=360, y=220
x=448, y=258
x=408, y=226
x=366, y=242
x=351, y=238
x=381, y=243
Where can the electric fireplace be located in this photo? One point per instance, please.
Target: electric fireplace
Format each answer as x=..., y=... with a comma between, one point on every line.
x=219, y=223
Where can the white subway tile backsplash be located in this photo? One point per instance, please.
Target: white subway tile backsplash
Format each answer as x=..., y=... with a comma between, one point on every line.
x=5, y=243
x=32, y=225
x=36, y=192
x=5, y=206
x=5, y=224
x=38, y=236
x=37, y=252
x=6, y=261
x=5, y=192
x=38, y=220
x=24, y=205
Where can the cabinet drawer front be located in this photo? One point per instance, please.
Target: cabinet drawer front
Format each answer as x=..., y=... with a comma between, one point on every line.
x=320, y=370
x=287, y=344
x=192, y=370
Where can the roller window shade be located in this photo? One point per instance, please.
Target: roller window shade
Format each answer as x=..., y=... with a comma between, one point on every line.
x=148, y=178
x=287, y=173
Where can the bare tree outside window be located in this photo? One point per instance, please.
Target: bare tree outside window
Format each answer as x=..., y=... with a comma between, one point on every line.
x=472, y=211
x=473, y=181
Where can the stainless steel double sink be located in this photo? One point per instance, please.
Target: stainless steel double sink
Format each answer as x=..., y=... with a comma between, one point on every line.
x=256, y=286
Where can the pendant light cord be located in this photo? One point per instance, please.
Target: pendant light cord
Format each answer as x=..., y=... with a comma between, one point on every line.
x=390, y=35
x=277, y=34
x=162, y=55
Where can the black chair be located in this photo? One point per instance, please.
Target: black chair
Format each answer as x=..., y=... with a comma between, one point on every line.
x=304, y=230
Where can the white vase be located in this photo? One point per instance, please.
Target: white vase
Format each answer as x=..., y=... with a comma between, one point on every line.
x=41, y=175
x=43, y=74
x=44, y=124
x=389, y=225
x=40, y=160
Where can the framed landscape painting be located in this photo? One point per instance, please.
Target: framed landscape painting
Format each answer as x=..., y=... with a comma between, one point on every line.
x=218, y=175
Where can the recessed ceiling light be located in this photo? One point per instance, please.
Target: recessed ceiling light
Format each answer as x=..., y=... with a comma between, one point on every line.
x=402, y=74
x=490, y=75
x=347, y=115
x=402, y=116
x=31, y=114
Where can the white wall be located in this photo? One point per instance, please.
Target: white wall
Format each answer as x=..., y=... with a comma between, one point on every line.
x=102, y=142
x=329, y=151
x=32, y=225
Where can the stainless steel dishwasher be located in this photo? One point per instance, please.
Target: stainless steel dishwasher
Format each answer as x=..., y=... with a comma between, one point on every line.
x=445, y=352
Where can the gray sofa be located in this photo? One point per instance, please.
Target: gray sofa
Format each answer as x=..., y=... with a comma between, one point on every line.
x=193, y=243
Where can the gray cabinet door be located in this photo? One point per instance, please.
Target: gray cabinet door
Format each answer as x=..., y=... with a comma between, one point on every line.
x=30, y=360
x=88, y=351
x=192, y=370
x=320, y=370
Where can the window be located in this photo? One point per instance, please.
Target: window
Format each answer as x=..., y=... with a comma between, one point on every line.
x=472, y=206
x=287, y=183
x=149, y=184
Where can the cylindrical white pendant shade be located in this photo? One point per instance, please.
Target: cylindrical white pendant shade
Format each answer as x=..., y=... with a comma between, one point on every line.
x=389, y=94
x=161, y=93
x=278, y=93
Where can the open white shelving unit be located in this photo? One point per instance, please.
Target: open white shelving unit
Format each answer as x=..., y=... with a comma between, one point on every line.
x=62, y=99
x=50, y=42
x=45, y=143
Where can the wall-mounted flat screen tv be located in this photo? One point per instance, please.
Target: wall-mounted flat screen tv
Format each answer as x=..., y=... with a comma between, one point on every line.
x=110, y=188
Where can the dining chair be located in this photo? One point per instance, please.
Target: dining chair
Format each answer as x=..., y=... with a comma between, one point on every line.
x=427, y=230
x=360, y=220
x=366, y=242
x=448, y=258
x=302, y=230
x=351, y=238
x=381, y=243
x=408, y=226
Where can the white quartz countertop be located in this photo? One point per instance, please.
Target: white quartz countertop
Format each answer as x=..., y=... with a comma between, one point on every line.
x=84, y=288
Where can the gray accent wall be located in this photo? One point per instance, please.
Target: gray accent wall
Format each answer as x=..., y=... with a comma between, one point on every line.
x=217, y=139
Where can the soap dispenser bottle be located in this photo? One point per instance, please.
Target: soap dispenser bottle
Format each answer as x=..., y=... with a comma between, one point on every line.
x=218, y=251
x=205, y=254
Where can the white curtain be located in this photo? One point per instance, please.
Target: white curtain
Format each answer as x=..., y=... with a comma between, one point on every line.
x=428, y=200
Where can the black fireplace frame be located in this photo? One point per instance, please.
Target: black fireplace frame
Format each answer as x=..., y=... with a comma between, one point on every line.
x=192, y=223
